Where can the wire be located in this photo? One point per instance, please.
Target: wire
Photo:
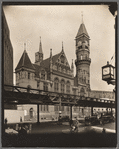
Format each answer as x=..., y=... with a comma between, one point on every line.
x=112, y=58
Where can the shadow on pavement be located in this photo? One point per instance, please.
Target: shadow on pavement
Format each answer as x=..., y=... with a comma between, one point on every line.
x=85, y=139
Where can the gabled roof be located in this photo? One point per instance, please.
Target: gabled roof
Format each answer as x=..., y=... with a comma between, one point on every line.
x=82, y=30
x=45, y=63
x=25, y=62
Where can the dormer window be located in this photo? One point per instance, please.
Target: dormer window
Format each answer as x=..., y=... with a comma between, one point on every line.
x=62, y=59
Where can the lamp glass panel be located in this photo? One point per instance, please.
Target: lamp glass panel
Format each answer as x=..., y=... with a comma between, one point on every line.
x=112, y=72
x=106, y=71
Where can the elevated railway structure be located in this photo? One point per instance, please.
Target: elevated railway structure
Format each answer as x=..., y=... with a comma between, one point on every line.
x=21, y=95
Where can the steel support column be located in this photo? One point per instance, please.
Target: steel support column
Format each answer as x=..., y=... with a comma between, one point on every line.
x=107, y=110
x=111, y=110
x=38, y=114
x=91, y=111
x=60, y=104
x=71, y=112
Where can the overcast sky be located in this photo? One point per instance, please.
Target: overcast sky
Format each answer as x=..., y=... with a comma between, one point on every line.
x=61, y=23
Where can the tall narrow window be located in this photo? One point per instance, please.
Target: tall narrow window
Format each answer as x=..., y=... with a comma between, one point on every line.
x=56, y=85
x=62, y=86
x=28, y=75
x=45, y=86
x=68, y=87
x=37, y=84
x=43, y=74
x=74, y=92
x=81, y=57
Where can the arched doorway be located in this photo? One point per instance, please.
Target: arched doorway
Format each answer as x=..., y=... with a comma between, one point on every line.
x=82, y=92
x=31, y=112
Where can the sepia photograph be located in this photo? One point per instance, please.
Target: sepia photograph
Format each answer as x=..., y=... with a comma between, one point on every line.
x=59, y=74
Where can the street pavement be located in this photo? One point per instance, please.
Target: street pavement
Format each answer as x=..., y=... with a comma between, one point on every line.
x=51, y=134
x=64, y=127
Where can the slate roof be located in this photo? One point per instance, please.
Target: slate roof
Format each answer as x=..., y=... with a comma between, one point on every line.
x=82, y=30
x=25, y=62
x=45, y=63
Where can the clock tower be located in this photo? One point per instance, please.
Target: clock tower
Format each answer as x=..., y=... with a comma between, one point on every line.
x=39, y=55
x=83, y=60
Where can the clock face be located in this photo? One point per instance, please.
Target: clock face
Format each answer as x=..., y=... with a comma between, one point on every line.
x=106, y=71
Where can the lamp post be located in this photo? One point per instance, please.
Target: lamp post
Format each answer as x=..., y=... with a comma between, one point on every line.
x=108, y=73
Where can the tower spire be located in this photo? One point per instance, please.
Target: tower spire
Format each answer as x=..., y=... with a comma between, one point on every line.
x=50, y=53
x=40, y=48
x=25, y=47
x=62, y=46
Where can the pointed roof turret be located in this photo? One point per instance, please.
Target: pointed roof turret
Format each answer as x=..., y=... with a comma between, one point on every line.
x=25, y=61
x=82, y=30
x=40, y=47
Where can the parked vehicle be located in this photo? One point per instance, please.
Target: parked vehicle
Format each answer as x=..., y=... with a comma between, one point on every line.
x=99, y=119
x=106, y=118
x=91, y=120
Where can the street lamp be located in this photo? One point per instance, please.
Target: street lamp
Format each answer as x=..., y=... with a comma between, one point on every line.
x=108, y=73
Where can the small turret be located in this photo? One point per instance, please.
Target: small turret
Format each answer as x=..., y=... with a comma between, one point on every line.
x=72, y=68
x=39, y=54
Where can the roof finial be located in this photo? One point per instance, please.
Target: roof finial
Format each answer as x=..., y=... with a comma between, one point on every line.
x=40, y=48
x=82, y=15
x=50, y=53
x=62, y=46
x=25, y=47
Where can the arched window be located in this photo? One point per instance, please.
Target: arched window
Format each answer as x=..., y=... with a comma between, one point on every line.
x=62, y=86
x=68, y=87
x=43, y=74
x=56, y=85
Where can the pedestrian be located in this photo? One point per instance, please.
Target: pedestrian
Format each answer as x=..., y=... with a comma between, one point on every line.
x=5, y=120
x=103, y=131
x=76, y=124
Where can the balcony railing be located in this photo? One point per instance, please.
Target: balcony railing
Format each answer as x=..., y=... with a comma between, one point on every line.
x=83, y=58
